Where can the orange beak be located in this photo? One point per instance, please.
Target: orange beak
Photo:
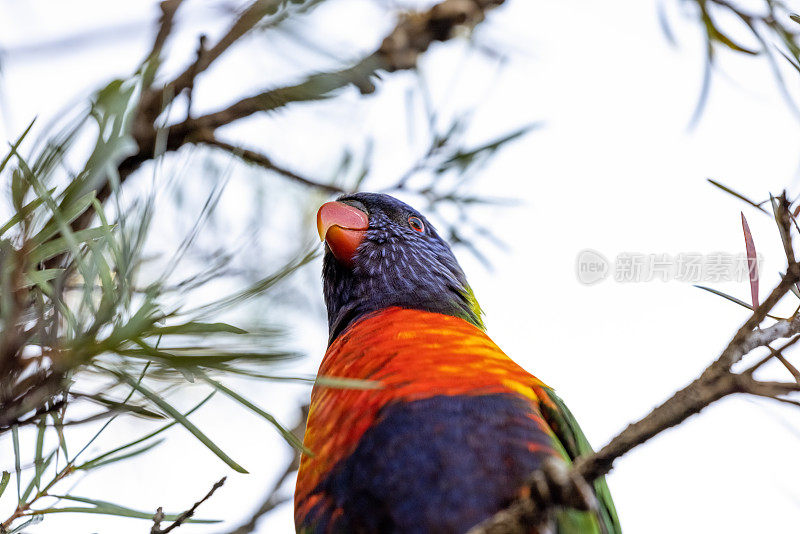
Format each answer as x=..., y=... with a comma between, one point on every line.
x=343, y=228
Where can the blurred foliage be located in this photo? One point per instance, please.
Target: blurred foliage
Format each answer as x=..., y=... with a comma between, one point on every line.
x=90, y=333
x=83, y=331
x=766, y=29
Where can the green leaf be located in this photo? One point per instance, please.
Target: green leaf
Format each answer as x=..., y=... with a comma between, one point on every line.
x=183, y=421
x=105, y=425
x=713, y=33
x=137, y=325
x=110, y=297
x=59, y=426
x=113, y=110
x=15, y=146
x=35, y=481
x=110, y=460
x=59, y=223
x=185, y=358
x=40, y=277
x=19, y=186
x=38, y=460
x=23, y=212
x=17, y=463
x=30, y=522
x=147, y=436
x=60, y=245
x=287, y=434
x=735, y=194
x=257, y=288
x=109, y=508
x=730, y=298
x=4, y=481
x=66, y=214
x=463, y=159
x=122, y=406
x=730, y=43
x=193, y=327
x=347, y=383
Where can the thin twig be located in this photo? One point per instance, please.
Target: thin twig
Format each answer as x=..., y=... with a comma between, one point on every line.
x=401, y=48
x=263, y=160
x=182, y=518
x=201, y=50
x=153, y=100
x=168, y=10
x=789, y=367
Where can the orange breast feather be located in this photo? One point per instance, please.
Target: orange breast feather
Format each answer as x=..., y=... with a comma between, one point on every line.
x=410, y=355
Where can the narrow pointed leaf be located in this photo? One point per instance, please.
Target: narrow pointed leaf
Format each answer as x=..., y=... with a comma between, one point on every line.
x=347, y=383
x=40, y=276
x=111, y=460
x=61, y=245
x=118, y=406
x=147, y=436
x=287, y=435
x=29, y=523
x=58, y=423
x=26, y=210
x=66, y=214
x=178, y=416
x=15, y=146
x=730, y=298
x=735, y=194
x=730, y=43
x=752, y=261
x=17, y=462
x=38, y=461
x=6, y=476
x=109, y=508
x=36, y=480
x=193, y=327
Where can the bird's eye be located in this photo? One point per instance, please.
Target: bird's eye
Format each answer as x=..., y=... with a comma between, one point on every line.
x=416, y=224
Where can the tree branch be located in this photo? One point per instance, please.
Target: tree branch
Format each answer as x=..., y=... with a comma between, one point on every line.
x=399, y=50
x=262, y=160
x=413, y=34
x=152, y=101
x=168, y=10
x=716, y=382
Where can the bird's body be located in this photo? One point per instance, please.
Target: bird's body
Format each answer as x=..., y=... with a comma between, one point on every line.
x=446, y=428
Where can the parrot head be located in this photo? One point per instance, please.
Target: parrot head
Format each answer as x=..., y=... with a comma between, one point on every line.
x=380, y=253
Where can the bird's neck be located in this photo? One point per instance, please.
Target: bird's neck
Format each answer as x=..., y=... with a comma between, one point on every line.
x=349, y=298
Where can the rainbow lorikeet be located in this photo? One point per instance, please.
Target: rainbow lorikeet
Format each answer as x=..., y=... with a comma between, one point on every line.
x=451, y=428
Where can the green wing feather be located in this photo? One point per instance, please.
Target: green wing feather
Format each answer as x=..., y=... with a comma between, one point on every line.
x=575, y=444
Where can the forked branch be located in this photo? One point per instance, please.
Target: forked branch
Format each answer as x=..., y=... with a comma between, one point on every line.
x=718, y=380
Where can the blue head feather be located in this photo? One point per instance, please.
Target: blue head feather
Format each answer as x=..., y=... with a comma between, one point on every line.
x=395, y=265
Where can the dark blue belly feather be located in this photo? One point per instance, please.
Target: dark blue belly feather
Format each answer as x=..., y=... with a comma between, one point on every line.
x=438, y=465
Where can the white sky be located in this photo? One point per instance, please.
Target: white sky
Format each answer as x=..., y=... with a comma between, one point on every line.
x=615, y=169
